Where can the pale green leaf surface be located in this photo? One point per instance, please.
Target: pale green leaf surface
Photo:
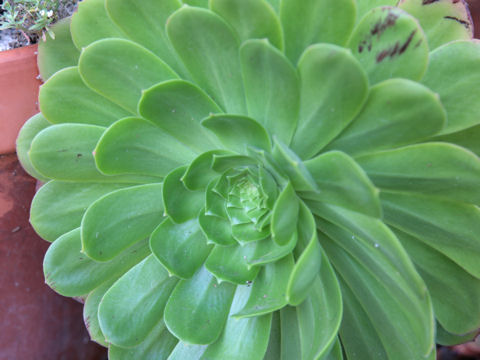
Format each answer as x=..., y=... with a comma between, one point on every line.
x=144, y=23
x=199, y=173
x=439, y=169
x=71, y=273
x=187, y=351
x=333, y=89
x=274, y=348
x=268, y=250
x=290, y=334
x=24, y=140
x=336, y=353
x=251, y=19
x=58, y=206
x=121, y=70
x=132, y=307
x=58, y=53
x=458, y=309
x=364, y=6
x=223, y=163
x=120, y=219
x=458, y=85
x=236, y=132
x=217, y=230
x=136, y=146
x=199, y=3
x=343, y=182
x=442, y=20
x=194, y=31
x=91, y=22
x=269, y=289
x=467, y=138
x=315, y=21
x=265, y=71
x=451, y=228
x=390, y=43
x=198, y=308
x=157, y=346
x=180, y=203
x=397, y=112
x=177, y=107
x=65, y=98
x=241, y=338
x=447, y=339
x=181, y=248
x=285, y=215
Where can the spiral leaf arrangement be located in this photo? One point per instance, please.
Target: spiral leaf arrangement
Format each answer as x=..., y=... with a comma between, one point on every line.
x=252, y=179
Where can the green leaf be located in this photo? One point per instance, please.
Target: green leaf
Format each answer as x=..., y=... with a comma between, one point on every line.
x=199, y=173
x=397, y=112
x=24, y=140
x=267, y=251
x=157, y=346
x=217, y=230
x=390, y=43
x=336, y=352
x=290, y=334
x=315, y=21
x=266, y=70
x=333, y=89
x=449, y=227
x=181, y=248
x=458, y=309
x=442, y=20
x=194, y=31
x=119, y=219
x=120, y=70
x=439, y=169
x=248, y=232
x=308, y=258
x=385, y=283
x=144, y=23
x=447, y=339
x=58, y=206
x=467, y=138
x=222, y=163
x=284, y=216
x=459, y=85
x=90, y=313
x=187, y=351
x=229, y=263
x=136, y=146
x=180, y=203
x=199, y=3
x=364, y=6
x=70, y=272
x=251, y=19
x=91, y=22
x=66, y=98
x=275, y=341
x=293, y=167
x=198, y=308
x=58, y=53
x=237, y=132
x=343, y=182
x=268, y=290
x=132, y=307
x=241, y=338
x=177, y=107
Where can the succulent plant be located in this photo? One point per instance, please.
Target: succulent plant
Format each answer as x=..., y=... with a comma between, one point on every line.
x=252, y=179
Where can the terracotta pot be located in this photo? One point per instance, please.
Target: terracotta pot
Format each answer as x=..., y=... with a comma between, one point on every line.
x=18, y=93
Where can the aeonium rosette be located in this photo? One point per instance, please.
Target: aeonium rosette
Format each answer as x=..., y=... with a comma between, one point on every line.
x=252, y=179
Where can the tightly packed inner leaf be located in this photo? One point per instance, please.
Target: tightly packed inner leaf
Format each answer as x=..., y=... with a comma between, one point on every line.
x=253, y=179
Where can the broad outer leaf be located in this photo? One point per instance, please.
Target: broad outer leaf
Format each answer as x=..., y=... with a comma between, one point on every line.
x=284, y=216
x=58, y=206
x=121, y=69
x=241, y=338
x=177, y=107
x=65, y=98
x=181, y=248
x=58, y=53
x=266, y=70
x=315, y=21
x=390, y=43
x=198, y=308
x=343, y=182
x=136, y=146
x=144, y=23
x=91, y=22
x=187, y=351
x=194, y=31
x=467, y=138
x=132, y=307
x=443, y=170
x=157, y=346
x=459, y=85
x=333, y=89
x=71, y=273
x=251, y=19
x=442, y=20
x=397, y=112
x=120, y=219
